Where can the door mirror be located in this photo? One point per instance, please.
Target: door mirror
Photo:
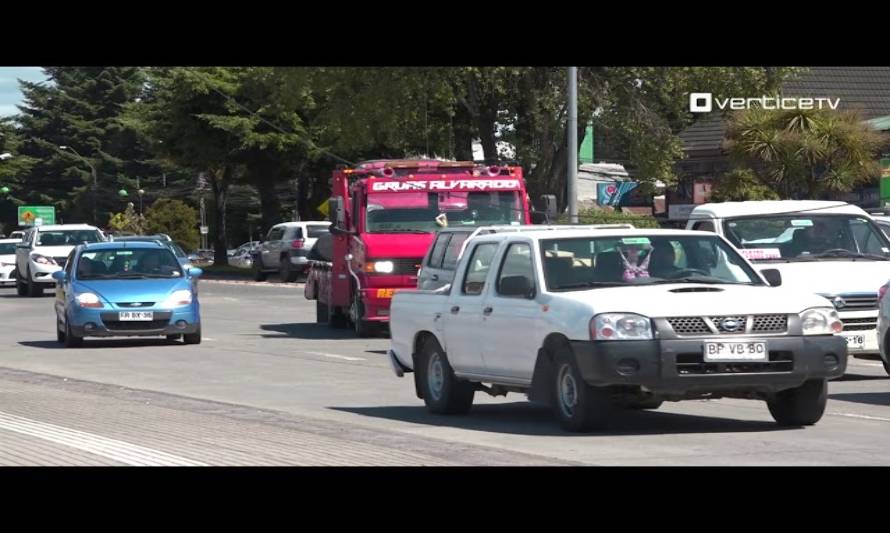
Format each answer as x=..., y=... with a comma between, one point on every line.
x=520, y=286
x=773, y=276
x=195, y=272
x=60, y=276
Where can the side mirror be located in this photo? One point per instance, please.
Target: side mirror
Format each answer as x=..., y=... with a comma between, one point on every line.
x=195, y=272
x=519, y=286
x=773, y=276
x=60, y=276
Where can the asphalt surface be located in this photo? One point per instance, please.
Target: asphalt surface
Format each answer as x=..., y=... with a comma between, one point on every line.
x=270, y=387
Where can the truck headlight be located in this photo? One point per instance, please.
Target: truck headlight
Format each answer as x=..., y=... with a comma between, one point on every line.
x=620, y=327
x=178, y=299
x=88, y=299
x=42, y=259
x=820, y=321
x=380, y=267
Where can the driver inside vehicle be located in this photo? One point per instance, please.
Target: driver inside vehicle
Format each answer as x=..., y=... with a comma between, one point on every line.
x=815, y=239
x=662, y=260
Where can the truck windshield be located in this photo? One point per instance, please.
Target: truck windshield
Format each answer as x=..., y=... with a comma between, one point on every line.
x=807, y=237
x=67, y=237
x=429, y=211
x=585, y=263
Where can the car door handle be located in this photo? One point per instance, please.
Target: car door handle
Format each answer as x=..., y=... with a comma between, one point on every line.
x=455, y=309
x=487, y=311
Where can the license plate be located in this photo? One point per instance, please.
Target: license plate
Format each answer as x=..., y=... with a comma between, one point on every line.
x=135, y=316
x=855, y=341
x=385, y=293
x=735, y=351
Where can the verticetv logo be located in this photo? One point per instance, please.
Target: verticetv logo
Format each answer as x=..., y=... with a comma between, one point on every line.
x=704, y=103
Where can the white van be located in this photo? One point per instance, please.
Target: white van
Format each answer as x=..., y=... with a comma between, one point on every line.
x=832, y=248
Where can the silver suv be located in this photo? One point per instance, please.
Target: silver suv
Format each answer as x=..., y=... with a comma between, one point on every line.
x=286, y=248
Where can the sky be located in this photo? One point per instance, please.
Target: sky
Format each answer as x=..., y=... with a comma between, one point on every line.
x=9, y=86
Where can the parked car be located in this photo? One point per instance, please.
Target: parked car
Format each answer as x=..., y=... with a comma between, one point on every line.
x=201, y=257
x=7, y=261
x=831, y=248
x=44, y=250
x=286, y=248
x=124, y=289
x=591, y=320
x=246, y=247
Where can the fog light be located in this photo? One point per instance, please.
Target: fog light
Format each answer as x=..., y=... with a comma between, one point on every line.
x=831, y=360
x=626, y=367
x=181, y=324
x=89, y=326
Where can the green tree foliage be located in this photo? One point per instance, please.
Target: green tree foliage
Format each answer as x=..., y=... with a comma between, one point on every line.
x=175, y=218
x=739, y=185
x=128, y=221
x=804, y=153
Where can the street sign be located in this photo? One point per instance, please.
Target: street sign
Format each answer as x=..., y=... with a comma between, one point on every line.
x=324, y=208
x=29, y=214
x=204, y=230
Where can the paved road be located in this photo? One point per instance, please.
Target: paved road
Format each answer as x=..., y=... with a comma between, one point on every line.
x=269, y=386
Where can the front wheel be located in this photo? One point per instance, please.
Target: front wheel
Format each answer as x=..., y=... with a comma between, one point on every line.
x=71, y=340
x=60, y=335
x=20, y=288
x=34, y=289
x=193, y=338
x=443, y=392
x=578, y=406
x=258, y=274
x=362, y=327
x=886, y=367
x=801, y=406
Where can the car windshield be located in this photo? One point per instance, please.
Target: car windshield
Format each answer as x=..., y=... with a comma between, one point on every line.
x=590, y=262
x=425, y=212
x=7, y=248
x=807, y=237
x=67, y=237
x=128, y=263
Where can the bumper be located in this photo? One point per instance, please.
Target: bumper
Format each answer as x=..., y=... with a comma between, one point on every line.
x=298, y=257
x=41, y=273
x=104, y=323
x=676, y=367
x=378, y=300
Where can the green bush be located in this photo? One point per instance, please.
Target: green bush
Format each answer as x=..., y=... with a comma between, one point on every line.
x=602, y=216
x=176, y=219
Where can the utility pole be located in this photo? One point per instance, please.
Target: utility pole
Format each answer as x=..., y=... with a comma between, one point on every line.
x=203, y=224
x=573, y=146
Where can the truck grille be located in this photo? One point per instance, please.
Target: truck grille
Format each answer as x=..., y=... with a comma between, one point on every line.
x=718, y=325
x=855, y=301
x=406, y=267
x=860, y=324
x=693, y=363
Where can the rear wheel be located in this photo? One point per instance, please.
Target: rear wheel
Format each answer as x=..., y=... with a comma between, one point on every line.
x=801, y=406
x=258, y=274
x=286, y=271
x=193, y=338
x=443, y=392
x=578, y=406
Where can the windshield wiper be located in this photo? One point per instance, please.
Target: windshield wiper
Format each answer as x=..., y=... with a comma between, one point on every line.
x=591, y=284
x=849, y=253
x=704, y=280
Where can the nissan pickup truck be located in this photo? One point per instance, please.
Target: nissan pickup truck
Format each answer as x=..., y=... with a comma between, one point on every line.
x=593, y=321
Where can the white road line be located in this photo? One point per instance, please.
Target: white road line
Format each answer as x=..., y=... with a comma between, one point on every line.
x=230, y=299
x=209, y=339
x=336, y=356
x=117, y=450
x=864, y=417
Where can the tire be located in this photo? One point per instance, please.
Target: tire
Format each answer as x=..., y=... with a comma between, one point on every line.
x=174, y=337
x=886, y=367
x=20, y=288
x=60, y=335
x=578, y=406
x=443, y=392
x=321, y=311
x=258, y=274
x=193, y=338
x=34, y=289
x=801, y=406
x=71, y=340
x=285, y=272
x=362, y=328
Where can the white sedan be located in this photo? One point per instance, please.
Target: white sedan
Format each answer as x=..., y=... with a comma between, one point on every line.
x=7, y=261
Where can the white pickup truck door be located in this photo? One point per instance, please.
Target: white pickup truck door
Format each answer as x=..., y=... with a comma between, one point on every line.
x=463, y=314
x=510, y=324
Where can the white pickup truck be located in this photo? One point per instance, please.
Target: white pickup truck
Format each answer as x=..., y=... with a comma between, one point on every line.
x=589, y=320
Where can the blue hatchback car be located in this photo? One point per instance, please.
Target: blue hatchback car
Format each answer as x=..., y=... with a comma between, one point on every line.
x=126, y=289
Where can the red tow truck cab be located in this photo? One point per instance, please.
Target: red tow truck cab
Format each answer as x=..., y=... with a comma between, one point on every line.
x=384, y=215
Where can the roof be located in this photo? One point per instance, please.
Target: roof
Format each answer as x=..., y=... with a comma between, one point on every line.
x=114, y=245
x=569, y=233
x=862, y=89
x=62, y=227
x=772, y=207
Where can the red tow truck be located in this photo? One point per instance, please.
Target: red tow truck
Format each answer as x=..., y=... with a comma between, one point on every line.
x=384, y=216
